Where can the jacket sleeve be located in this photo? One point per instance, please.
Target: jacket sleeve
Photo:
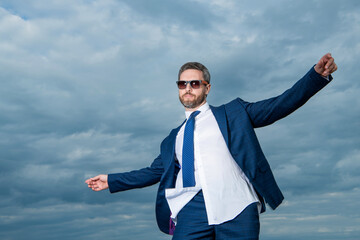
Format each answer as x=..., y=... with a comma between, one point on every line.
x=268, y=111
x=137, y=178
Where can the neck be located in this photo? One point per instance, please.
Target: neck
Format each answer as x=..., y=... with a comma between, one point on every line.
x=195, y=108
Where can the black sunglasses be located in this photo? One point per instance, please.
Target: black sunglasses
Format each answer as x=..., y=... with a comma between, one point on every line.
x=195, y=84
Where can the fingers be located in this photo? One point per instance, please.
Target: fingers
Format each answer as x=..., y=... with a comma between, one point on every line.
x=329, y=63
x=93, y=185
x=95, y=188
x=330, y=69
x=98, y=186
x=326, y=65
x=91, y=182
x=92, y=179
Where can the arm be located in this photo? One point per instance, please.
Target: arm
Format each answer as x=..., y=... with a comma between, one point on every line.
x=128, y=180
x=137, y=178
x=268, y=111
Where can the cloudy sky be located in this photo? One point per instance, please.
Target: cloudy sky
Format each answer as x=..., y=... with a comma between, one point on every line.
x=88, y=87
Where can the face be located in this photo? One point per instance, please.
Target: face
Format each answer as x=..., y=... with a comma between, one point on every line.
x=191, y=98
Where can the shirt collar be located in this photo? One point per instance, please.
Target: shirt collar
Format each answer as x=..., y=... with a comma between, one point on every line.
x=202, y=109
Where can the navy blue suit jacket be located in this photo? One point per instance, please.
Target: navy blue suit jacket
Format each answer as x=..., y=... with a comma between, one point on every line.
x=237, y=120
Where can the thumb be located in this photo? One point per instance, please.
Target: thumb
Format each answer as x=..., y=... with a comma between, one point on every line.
x=328, y=56
x=324, y=60
x=95, y=178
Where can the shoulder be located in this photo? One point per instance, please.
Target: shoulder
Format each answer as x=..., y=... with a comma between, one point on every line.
x=231, y=106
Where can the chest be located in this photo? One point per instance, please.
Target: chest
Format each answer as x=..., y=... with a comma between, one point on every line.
x=207, y=137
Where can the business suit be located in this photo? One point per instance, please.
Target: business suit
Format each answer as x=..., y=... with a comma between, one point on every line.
x=237, y=120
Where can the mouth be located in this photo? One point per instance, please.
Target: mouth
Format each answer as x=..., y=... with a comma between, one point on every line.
x=188, y=95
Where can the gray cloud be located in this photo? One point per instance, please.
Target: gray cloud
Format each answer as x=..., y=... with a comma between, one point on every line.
x=88, y=88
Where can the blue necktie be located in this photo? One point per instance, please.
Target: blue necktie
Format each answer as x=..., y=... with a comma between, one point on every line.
x=188, y=152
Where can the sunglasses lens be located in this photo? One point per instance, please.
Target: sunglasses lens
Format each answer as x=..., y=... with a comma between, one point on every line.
x=181, y=84
x=195, y=84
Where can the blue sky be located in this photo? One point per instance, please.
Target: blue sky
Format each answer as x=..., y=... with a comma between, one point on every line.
x=88, y=87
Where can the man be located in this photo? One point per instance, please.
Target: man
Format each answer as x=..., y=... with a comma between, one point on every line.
x=214, y=178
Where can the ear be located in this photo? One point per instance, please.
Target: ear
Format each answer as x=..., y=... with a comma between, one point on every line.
x=208, y=87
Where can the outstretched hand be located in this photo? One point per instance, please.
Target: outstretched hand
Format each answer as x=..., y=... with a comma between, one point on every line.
x=98, y=183
x=326, y=65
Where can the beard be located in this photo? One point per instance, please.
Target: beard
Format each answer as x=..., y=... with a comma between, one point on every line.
x=192, y=103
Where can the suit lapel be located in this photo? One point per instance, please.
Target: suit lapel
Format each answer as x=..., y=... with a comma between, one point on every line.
x=220, y=116
x=172, y=141
x=169, y=158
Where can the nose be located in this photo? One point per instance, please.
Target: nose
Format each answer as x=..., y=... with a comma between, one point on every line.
x=188, y=87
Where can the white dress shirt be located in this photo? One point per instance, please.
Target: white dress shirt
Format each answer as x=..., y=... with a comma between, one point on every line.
x=226, y=189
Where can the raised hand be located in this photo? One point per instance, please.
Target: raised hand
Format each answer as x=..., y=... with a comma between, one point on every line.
x=98, y=183
x=326, y=65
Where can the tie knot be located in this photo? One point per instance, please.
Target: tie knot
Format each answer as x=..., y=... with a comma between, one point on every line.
x=194, y=114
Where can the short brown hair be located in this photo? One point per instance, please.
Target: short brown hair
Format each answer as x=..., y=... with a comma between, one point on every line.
x=196, y=66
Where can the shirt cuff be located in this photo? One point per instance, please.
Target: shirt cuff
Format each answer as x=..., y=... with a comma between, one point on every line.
x=327, y=78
